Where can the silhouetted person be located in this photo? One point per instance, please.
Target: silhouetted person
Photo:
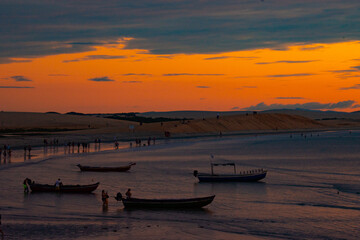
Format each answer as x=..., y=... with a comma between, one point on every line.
x=128, y=193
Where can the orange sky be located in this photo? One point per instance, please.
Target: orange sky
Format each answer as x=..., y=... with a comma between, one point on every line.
x=323, y=73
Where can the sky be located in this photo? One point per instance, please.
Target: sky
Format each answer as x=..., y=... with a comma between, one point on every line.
x=161, y=55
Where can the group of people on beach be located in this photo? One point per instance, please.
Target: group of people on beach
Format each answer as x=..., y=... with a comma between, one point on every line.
x=149, y=140
x=5, y=151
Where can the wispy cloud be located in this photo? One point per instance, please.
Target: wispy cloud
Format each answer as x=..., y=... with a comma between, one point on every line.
x=131, y=81
x=20, y=79
x=286, y=61
x=311, y=48
x=202, y=86
x=235, y=108
x=356, y=86
x=227, y=57
x=15, y=87
x=242, y=87
x=101, y=79
x=291, y=75
x=137, y=74
x=309, y=106
x=95, y=57
x=58, y=75
x=191, y=74
x=289, y=98
x=343, y=71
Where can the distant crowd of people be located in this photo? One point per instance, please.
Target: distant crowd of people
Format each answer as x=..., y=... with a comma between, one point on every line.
x=138, y=142
x=5, y=152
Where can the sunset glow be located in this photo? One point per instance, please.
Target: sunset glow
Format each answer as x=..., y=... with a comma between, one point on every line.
x=119, y=56
x=113, y=79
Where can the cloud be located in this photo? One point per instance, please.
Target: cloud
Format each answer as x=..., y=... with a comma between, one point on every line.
x=242, y=87
x=95, y=57
x=291, y=75
x=58, y=75
x=227, y=57
x=202, y=86
x=170, y=27
x=287, y=61
x=15, y=87
x=101, y=79
x=191, y=74
x=289, y=98
x=356, y=67
x=356, y=86
x=20, y=79
x=309, y=106
x=311, y=48
x=343, y=71
x=235, y=108
x=131, y=81
x=137, y=74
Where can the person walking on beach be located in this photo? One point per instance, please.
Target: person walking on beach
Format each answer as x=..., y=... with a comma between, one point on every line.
x=128, y=193
x=29, y=149
x=105, y=198
x=58, y=184
x=2, y=233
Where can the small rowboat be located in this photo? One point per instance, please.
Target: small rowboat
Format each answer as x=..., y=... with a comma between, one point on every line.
x=246, y=176
x=36, y=187
x=106, y=169
x=185, y=203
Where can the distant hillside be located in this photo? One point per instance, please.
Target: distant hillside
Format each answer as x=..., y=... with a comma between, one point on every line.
x=313, y=114
x=262, y=121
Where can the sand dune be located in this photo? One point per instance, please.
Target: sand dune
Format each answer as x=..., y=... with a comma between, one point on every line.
x=28, y=120
x=273, y=121
x=20, y=129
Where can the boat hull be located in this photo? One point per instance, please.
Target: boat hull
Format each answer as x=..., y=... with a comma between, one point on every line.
x=64, y=189
x=190, y=203
x=104, y=169
x=231, y=177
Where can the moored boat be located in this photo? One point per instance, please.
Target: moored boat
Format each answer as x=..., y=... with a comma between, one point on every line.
x=245, y=176
x=106, y=169
x=183, y=203
x=36, y=187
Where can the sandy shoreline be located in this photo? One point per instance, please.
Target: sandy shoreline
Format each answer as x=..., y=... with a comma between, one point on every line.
x=23, y=129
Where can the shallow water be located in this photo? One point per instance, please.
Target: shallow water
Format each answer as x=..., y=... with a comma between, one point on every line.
x=312, y=191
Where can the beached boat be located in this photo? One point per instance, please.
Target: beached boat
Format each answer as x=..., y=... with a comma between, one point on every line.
x=106, y=169
x=245, y=176
x=183, y=203
x=36, y=187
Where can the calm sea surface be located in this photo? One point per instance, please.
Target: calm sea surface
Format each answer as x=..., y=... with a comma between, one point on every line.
x=312, y=191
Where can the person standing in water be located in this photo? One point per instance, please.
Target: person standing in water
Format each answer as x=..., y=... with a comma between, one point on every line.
x=105, y=198
x=128, y=193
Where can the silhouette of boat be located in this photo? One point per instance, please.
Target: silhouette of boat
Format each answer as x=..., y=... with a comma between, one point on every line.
x=106, y=169
x=36, y=187
x=183, y=203
x=245, y=176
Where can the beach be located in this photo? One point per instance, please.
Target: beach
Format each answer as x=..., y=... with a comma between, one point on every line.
x=311, y=190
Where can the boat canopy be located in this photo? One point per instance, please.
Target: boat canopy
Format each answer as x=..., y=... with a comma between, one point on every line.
x=222, y=164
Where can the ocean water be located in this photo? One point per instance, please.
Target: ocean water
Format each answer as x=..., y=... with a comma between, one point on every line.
x=312, y=191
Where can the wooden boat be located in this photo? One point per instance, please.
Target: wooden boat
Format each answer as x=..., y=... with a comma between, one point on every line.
x=185, y=203
x=245, y=176
x=106, y=169
x=36, y=187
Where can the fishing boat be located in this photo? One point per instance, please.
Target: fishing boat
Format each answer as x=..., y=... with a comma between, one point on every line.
x=244, y=176
x=106, y=169
x=183, y=203
x=36, y=187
